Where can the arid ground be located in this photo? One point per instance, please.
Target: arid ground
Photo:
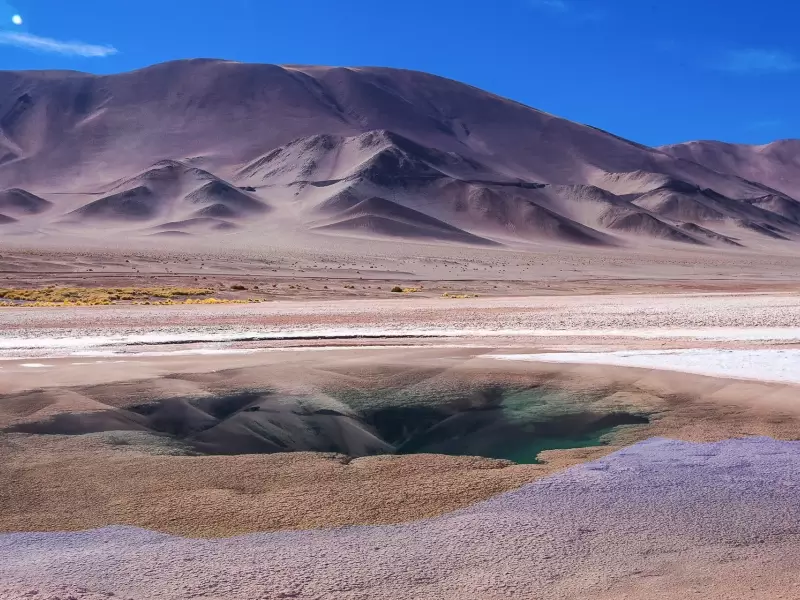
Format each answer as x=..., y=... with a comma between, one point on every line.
x=534, y=433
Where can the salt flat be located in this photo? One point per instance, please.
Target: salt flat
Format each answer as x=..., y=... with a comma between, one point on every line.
x=620, y=320
x=760, y=365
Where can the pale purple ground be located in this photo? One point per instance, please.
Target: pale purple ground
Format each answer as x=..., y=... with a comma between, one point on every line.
x=658, y=509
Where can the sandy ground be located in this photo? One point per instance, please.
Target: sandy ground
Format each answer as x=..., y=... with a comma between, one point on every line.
x=369, y=269
x=95, y=361
x=661, y=519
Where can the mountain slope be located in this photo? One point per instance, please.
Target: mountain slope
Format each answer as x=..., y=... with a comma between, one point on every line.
x=207, y=146
x=776, y=165
x=236, y=111
x=19, y=202
x=378, y=216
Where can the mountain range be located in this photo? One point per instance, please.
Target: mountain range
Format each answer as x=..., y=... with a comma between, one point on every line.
x=214, y=148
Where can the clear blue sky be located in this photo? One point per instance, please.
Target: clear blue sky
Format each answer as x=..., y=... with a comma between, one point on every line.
x=654, y=71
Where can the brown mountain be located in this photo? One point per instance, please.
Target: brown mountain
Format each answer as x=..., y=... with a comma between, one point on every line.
x=208, y=147
x=775, y=165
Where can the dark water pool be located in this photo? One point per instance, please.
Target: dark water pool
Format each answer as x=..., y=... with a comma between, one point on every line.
x=494, y=422
x=515, y=426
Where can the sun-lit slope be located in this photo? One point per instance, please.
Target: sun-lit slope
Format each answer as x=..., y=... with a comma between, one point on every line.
x=167, y=190
x=775, y=165
x=276, y=149
x=233, y=112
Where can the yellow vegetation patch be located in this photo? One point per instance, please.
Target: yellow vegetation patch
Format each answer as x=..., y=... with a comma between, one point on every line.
x=219, y=301
x=93, y=296
x=458, y=296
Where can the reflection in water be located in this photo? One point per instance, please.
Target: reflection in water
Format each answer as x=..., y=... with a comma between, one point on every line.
x=492, y=421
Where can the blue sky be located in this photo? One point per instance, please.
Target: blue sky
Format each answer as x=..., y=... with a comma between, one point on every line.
x=653, y=71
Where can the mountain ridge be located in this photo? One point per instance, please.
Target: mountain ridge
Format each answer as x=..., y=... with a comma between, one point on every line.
x=280, y=142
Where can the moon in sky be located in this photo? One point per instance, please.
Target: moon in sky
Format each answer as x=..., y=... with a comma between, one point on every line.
x=16, y=20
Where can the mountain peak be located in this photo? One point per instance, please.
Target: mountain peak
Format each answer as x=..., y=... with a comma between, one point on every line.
x=282, y=142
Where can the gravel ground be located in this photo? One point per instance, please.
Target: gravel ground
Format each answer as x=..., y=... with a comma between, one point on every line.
x=661, y=519
x=535, y=312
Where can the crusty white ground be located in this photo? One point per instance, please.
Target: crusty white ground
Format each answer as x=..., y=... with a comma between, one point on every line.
x=48, y=347
x=645, y=319
x=757, y=364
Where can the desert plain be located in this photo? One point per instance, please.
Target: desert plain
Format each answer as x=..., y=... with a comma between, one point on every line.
x=367, y=333
x=539, y=434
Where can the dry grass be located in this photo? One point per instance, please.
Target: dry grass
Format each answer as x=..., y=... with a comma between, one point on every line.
x=95, y=296
x=217, y=301
x=458, y=296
